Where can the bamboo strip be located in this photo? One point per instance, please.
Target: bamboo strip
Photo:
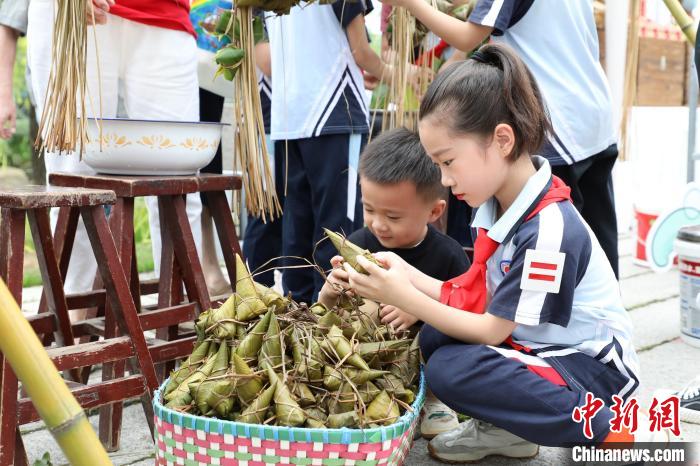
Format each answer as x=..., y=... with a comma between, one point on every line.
x=631, y=64
x=249, y=132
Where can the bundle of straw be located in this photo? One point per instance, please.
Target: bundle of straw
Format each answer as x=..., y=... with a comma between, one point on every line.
x=61, y=129
x=397, y=111
x=249, y=132
x=406, y=33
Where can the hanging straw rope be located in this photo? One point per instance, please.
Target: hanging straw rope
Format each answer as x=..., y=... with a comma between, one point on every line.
x=249, y=133
x=631, y=64
x=61, y=129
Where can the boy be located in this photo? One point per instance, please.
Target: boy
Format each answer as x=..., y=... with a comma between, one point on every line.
x=401, y=196
x=320, y=112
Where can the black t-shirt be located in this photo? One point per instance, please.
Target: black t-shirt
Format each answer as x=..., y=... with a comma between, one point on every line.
x=437, y=256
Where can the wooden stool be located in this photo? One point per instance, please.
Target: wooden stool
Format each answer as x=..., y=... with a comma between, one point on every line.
x=34, y=202
x=179, y=264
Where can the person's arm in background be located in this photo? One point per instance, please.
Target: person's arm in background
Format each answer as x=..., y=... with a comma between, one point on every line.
x=362, y=52
x=463, y=36
x=263, y=59
x=8, y=50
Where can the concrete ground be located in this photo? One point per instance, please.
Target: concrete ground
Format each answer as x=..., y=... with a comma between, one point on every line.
x=666, y=361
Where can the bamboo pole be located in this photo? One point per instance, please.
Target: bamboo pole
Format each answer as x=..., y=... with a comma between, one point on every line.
x=685, y=22
x=631, y=65
x=52, y=399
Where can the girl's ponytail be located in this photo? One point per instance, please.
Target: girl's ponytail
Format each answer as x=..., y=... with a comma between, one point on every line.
x=493, y=86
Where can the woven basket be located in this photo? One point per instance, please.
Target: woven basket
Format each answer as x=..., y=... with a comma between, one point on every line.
x=194, y=440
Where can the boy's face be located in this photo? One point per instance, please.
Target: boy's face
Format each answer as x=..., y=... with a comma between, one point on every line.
x=396, y=214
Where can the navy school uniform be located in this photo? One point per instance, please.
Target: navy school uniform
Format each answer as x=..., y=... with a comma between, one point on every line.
x=550, y=276
x=263, y=240
x=320, y=113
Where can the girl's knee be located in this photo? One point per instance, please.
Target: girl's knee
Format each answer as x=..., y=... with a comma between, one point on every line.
x=431, y=339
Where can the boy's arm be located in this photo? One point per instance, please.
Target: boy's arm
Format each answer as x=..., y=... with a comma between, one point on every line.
x=465, y=36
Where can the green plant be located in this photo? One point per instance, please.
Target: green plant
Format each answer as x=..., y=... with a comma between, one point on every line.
x=45, y=460
x=17, y=151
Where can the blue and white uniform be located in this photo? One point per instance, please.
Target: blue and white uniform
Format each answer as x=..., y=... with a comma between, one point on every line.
x=320, y=110
x=558, y=42
x=550, y=276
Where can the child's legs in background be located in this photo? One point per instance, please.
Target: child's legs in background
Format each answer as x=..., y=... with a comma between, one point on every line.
x=262, y=241
x=322, y=192
x=591, y=186
x=479, y=381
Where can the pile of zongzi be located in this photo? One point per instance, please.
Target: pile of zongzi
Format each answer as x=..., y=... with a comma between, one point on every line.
x=262, y=358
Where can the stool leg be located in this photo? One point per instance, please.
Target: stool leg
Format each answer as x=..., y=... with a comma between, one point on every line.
x=169, y=290
x=40, y=226
x=226, y=230
x=185, y=249
x=119, y=298
x=11, y=271
x=64, y=237
x=121, y=224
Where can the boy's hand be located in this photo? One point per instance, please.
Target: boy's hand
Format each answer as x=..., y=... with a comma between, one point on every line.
x=384, y=285
x=336, y=281
x=396, y=318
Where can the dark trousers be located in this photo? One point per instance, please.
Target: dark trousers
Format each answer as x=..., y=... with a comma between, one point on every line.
x=317, y=197
x=481, y=382
x=592, y=192
x=262, y=243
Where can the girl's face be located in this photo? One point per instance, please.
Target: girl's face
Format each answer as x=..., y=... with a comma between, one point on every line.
x=473, y=168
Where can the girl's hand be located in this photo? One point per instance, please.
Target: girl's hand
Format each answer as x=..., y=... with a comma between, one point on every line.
x=381, y=285
x=391, y=260
x=396, y=318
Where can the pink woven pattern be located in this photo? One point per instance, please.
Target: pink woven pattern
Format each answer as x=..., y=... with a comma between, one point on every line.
x=181, y=445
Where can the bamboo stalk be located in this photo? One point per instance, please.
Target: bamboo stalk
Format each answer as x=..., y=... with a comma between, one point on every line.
x=685, y=22
x=51, y=397
x=631, y=64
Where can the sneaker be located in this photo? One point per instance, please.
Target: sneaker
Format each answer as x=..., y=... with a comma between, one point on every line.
x=689, y=400
x=474, y=440
x=437, y=418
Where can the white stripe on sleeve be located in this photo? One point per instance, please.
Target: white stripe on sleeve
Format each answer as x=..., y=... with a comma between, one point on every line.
x=549, y=238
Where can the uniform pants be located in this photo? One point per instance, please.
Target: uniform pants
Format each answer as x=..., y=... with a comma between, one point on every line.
x=322, y=192
x=262, y=242
x=592, y=193
x=481, y=381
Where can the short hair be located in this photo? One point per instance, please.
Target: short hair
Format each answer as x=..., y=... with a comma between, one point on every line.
x=396, y=156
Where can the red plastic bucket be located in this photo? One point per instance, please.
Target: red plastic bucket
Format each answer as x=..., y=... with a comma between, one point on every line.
x=644, y=222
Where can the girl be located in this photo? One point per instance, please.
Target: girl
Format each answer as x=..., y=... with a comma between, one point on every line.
x=545, y=322
x=557, y=40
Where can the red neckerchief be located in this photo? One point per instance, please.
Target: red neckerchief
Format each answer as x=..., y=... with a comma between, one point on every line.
x=468, y=291
x=435, y=52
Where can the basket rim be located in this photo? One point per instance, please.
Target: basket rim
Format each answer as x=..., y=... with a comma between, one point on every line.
x=294, y=434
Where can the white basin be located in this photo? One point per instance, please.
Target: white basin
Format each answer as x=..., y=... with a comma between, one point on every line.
x=148, y=147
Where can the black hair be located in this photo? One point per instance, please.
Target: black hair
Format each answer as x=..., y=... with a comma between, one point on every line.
x=494, y=86
x=396, y=156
